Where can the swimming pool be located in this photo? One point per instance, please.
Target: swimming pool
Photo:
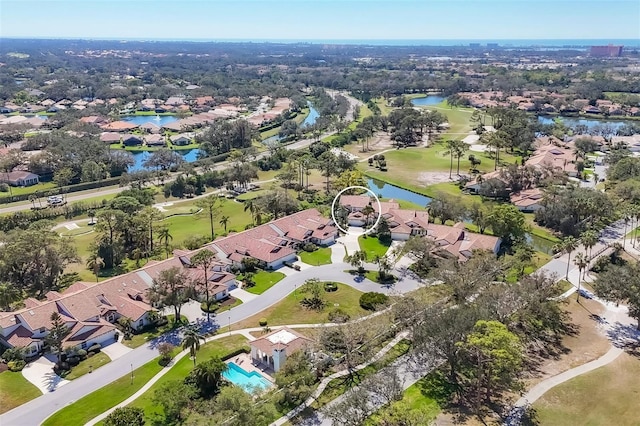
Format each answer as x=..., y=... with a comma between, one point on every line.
x=248, y=381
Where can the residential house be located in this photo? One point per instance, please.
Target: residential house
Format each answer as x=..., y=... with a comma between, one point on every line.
x=150, y=127
x=94, y=119
x=155, y=140
x=90, y=310
x=20, y=178
x=275, y=243
x=403, y=224
x=528, y=200
x=272, y=349
x=132, y=140
x=119, y=126
x=110, y=137
x=180, y=139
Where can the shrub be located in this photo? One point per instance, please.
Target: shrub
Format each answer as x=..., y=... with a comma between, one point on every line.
x=73, y=361
x=16, y=365
x=82, y=354
x=262, y=322
x=330, y=286
x=372, y=300
x=166, y=353
x=13, y=354
x=95, y=348
x=194, y=242
x=338, y=315
x=309, y=247
x=213, y=306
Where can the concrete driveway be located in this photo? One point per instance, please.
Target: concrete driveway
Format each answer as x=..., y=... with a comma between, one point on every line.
x=243, y=295
x=337, y=253
x=40, y=373
x=115, y=350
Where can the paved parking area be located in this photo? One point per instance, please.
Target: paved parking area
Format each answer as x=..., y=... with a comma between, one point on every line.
x=40, y=373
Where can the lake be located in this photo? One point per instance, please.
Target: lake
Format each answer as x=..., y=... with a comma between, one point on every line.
x=140, y=157
x=574, y=121
x=427, y=100
x=309, y=120
x=312, y=117
x=387, y=190
x=158, y=120
x=391, y=191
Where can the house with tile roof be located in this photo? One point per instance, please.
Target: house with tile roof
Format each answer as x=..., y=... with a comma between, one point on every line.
x=91, y=310
x=272, y=349
x=529, y=200
x=404, y=224
x=276, y=242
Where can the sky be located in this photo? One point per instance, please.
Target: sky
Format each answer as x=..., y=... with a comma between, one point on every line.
x=321, y=19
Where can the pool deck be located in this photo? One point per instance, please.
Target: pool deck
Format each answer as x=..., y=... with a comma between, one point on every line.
x=244, y=361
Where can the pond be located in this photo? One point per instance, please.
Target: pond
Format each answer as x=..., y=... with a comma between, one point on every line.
x=140, y=157
x=309, y=120
x=574, y=121
x=158, y=120
x=427, y=100
x=387, y=190
x=312, y=117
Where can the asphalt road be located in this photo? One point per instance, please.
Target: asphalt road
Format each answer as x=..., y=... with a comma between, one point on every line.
x=36, y=411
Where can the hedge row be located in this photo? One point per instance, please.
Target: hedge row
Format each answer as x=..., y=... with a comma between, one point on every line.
x=64, y=190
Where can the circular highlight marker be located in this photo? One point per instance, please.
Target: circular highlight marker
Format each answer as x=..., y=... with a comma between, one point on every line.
x=333, y=205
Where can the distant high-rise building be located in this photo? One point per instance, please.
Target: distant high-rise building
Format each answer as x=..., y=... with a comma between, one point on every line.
x=492, y=45
x=474, y=44
x=609, y=51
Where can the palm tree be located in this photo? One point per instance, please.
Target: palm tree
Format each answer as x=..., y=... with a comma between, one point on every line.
x=582, y=264
x=224, y=220
x=589, y=239
x=95, y=263
x=32, y=198
x=568, y=245
x=191, y=341
x=165, y=235
x=459, y=149
x=367, y=211
x=253, y=207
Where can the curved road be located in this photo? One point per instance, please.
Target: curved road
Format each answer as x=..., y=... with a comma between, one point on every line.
x=36, y=411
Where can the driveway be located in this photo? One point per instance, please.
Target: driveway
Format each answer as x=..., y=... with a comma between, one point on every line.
x=350, y=240
x=115, y=350
x=40, y=373
x=243, y=295
x=337, y=252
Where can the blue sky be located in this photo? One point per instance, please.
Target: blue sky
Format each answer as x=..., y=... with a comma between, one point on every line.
x=322, y=19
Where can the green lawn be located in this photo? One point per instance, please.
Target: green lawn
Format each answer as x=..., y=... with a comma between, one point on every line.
x=41, y=187
x=290, y=311
x=605, y=396
x=372, y=246
x=405, y=166
x=414, y=400
x=144, y=337
x=373, y=276
x=15, y=390
x=264, y=281
x=91, y=363
x=322, y=256
x=104, y=398
x=221, y=348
